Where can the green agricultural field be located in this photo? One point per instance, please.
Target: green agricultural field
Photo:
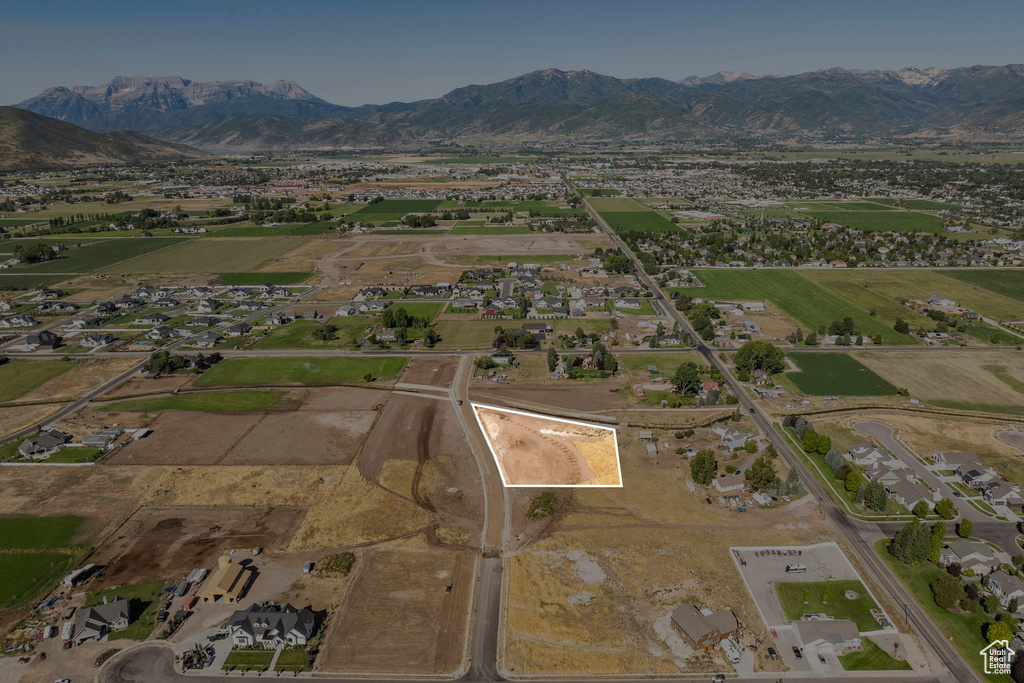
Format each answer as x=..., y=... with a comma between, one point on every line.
x=249, y=230
x=240, y=372
x=18, y=222
x=898, y=221
x=630, y=221
x=399, y=207
x=809, y=304
x=465, y=334
x=420, y=309
x=299, y=334
x=815, y=597
x=605, y=191
x=26, y=577
x=559, y=212
x=617, y=205
x=100, y=254
x=7, y=246
x=25, y=282
x=918, y=204
x=144, y=603
x=37, y=533
x=824, y=374
x=19, y=377
x=836, y=206
x=1009, y=283
x=221, y=401
x=872, y=658
x=461, y=229
x=273, y=278
x=480, y=160
x=210, y=255
x=886, y=289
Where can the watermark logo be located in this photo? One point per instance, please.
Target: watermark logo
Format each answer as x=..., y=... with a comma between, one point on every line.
x=997, y=657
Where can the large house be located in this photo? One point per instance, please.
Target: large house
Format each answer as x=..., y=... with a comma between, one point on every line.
x=702, y=629
x=272, y=626
x=828, y=636
x=43, y=339
x=731, y=437
x=864, y=454
x=99, y=620
x=972, y=555
x=43, y=445
x=908, y=493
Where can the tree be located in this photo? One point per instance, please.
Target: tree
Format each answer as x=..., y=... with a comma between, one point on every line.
x=552, y=359
x=704, y=467
x=945, y=509
x=854, y=480
x=990, y=604
x=964, y=528
x=611, y=364
x=876, y=496
x=687, y=378
x=901, y=326
x=861, y=493
x=911, y=543
x=1013, y=606
x=810, y=441
x=938, y=541
x=998, y=630
x=325, y=332
x=812, y=339
x=947, y=591
x=759, y=355
x=800, y=427
x=796, y=487
x=824, y=445
x=761, y=474
x=921, y=509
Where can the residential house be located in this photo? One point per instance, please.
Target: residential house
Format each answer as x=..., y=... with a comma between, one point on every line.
x=44, y=339
x=151, y=319
x=18, y=321
x=628, y=303
x=373, y=306
x=1006, y=587
x=167, y=302
x=955, y=461
x=346, y=311
x=732, y=438
x=730, y=483
x=889, y=472
x=43, y=444
x=99, y=620
x=238, y=329
x=202, y=321
x=95, y=341
x=973, y=555
x=388, y=335
x=865, y=453
x=207, y=305
x=160, y=333
x=373, y=292
x=250, y=306
x=1002, y=492
x=208, y=340
x=703, y=629
x=828, y=636
x=464, y=303
x=7, y=305
x=272, y=626
x=908, y=493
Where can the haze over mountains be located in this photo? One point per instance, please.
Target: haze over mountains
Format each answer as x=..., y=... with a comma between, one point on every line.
x=979, y=101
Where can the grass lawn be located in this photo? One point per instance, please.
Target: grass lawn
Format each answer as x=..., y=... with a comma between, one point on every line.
x=282, y=278
x=19, y=377
x=292, y=660
x=898, y=221
x=395, y=206
x=665, y=362
x=299, y=334
x=1006, y=282
x=965, y=629
x=37, y=533
x=793, y=594
x=872, y=658
x=229, y=401
x=249, y=659
x=144, y=599
x=25, y=577
x=75, y=454
x=808, y=303
x=420, y=309
x=824, y=374
x=645, y=309
x=300, y=371
x=467, y=334
x=210, y=255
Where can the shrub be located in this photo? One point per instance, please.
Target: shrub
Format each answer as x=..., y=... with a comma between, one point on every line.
x=947, y=591
x=542, y=506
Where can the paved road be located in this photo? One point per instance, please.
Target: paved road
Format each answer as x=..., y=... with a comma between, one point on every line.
x=855, y=533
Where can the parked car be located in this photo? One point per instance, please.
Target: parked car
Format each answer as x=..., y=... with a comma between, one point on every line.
x=821, y=658
x=718, y=678
x=773, y=654
x=796, y=651
x=708, y=501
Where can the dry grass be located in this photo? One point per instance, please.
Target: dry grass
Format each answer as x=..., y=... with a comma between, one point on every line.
x=86, y=375
x=19, y=417
x=601, y=458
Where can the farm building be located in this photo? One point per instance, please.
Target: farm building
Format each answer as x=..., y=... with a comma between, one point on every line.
x=228, y=583
x=702, y=629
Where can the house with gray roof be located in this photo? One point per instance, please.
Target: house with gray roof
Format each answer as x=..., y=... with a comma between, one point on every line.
x=973, y=555
x=100, y=620
x=703, y=629
x=44, y=444
x=1006, y=588
x=828, y=636
x=272, y=626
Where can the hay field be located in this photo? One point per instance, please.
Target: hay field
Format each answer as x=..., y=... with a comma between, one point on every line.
x=991, y=381
x=211, y=255
x=85, y=375
x=19, y=417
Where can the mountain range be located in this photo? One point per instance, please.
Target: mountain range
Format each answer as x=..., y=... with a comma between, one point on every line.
x=984, y=102
x=30, y=141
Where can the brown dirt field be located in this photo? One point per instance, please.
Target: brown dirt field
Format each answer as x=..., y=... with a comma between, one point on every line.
x=299, y=438
x=167, y=542
x=104, y=496
x=19, y=417
x=582, y=396
x=434, y=371
x=398, y=616
x=343, y=398
x=141, y=385
x=86, y=375
x=91, y=294
x=539, y=451
x=411, y=428
x=184, y=438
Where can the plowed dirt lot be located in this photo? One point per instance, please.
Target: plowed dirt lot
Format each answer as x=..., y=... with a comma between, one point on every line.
x=160, y=542
x=302, y=438
x=582, y=398
x=399, y=615
x=437, y=372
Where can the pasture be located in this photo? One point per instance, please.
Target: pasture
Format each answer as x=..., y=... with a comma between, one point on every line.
x=601, y=191
x=299, y=334
x=19, y=377
x=462, y=229
x=809, y=304
x=227, y=401
x=616, y=205
x=837, y=206
x=399, y=207
x=1008, y=283
x=918, y=204
x=100, y=254
x=630, y=221
x=420, y=309
x=465, y=334
x=240, y=372
x=885, y=220
x=37, y=533
x=824, y=374
x=25, y=577
x=210, y=255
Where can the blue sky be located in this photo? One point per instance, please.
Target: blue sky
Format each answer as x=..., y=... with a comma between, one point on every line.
x=355, y=53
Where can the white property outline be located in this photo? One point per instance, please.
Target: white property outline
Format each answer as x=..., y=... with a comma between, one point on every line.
x=497, y=461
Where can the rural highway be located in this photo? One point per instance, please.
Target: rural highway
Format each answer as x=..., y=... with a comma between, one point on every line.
x=852, y=532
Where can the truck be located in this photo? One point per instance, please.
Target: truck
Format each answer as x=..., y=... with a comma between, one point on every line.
x=796, y=568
